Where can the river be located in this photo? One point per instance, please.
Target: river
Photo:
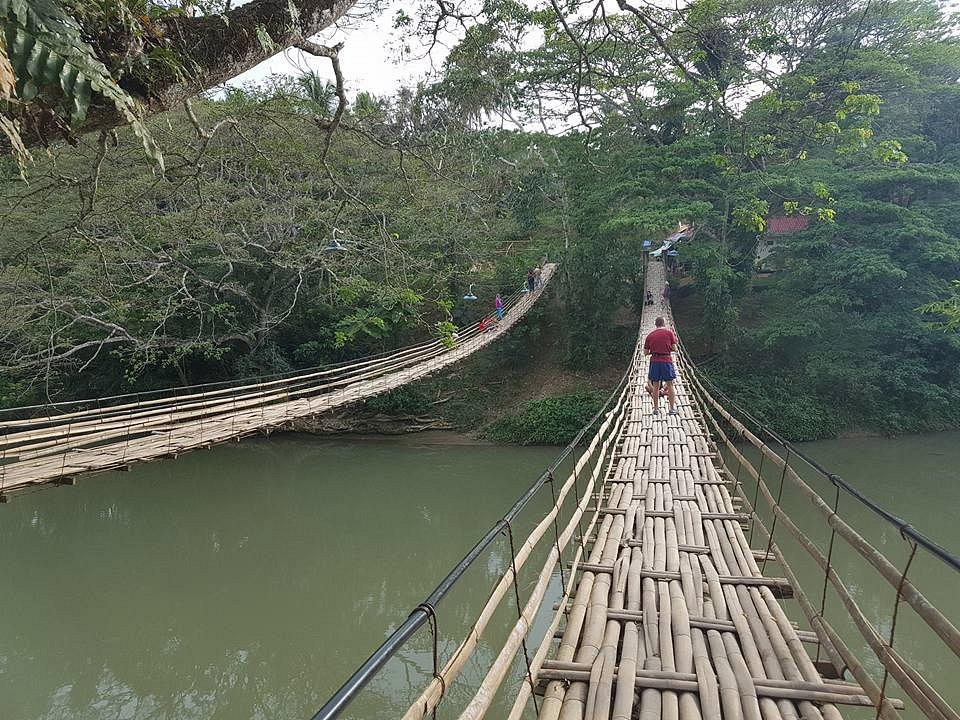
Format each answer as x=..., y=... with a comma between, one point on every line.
x=249, y=580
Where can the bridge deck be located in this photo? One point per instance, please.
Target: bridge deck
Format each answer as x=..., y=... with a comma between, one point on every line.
x=671, y=616
x=43, y=449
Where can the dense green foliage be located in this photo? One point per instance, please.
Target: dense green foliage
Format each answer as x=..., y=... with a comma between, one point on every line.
x=225, y=271
x=720, y=114
x=551, y=421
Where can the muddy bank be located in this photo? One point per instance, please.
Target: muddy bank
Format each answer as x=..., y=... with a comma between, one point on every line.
x=450, y=438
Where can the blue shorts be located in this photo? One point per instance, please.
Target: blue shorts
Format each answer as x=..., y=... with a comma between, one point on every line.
x=661, y=371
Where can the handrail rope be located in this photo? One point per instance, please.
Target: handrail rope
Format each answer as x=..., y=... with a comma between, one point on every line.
x=840, y=652
x=121, y=421
x=562, y=610
x=931, y=703
x=511, y=301
x=160, y=404
x=902, y=525
x=496, y=674
x=919, y=691
x=356, y=682
x=466, y=646
x=598, y=480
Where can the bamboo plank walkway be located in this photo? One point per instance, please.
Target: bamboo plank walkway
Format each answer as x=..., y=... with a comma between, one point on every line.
x=671, y=616
x=665, y=611
x=58, y=447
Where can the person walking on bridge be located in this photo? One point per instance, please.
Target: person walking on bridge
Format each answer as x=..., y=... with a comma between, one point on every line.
x=658, y=344
x=666, y=294
x=498, y=304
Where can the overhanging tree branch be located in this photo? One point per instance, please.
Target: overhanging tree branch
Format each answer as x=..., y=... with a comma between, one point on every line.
x=207, y=51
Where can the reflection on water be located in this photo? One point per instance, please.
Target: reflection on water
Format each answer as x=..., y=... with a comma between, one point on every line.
x=243, y=582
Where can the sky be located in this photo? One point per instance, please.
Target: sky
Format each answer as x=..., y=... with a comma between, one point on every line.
x=369, y=59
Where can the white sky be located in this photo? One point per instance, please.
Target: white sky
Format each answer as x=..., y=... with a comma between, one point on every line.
x=369, y=59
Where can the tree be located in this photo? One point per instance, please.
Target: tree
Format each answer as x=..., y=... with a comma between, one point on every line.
x=79, y=67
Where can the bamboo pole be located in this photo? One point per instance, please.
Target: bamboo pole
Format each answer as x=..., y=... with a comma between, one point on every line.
x=433, y=693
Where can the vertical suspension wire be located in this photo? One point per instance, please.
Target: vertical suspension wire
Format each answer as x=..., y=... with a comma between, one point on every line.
x=556, y=542
x=736, y=479
x=756, y=496
x=576, y=492
x=776, y=510
x=170, y=421
x=893, y=619
x=516, y=592
x=826, y=571
x=126, y=435
x=431, y=613
x=63, y=455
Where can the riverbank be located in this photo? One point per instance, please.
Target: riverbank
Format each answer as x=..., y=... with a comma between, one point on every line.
x=520, y=390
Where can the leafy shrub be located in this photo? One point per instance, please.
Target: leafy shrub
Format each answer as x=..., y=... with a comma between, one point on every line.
x=551, y=421
x=401, y=401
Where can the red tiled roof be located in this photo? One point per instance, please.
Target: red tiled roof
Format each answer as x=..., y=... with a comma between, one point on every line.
x=783, y=225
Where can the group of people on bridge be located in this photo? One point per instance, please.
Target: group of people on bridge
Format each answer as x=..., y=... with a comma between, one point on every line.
x=533, y=282
x=664, y=296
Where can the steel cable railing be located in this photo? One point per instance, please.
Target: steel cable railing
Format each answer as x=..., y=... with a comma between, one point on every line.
x=894, y=665
x=426, y=610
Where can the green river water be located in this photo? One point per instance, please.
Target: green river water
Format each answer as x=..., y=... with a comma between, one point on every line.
x=249, y=581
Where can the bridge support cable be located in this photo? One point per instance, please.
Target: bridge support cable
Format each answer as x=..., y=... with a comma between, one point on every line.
x=920, y=691
x=73, y=438
x=434, y=690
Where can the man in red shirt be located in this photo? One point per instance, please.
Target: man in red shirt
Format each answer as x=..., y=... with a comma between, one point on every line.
x=658, y=345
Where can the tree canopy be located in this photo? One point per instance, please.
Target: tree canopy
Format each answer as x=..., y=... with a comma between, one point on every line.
x=576, y=129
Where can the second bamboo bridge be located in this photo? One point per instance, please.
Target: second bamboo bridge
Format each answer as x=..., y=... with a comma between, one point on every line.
x=55, y=443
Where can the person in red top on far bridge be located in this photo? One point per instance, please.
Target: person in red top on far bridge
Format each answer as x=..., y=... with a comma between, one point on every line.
x=658, y=345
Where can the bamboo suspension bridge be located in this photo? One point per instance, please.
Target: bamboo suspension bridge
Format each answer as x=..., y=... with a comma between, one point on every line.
x=640, y=592
x=664, y=608
x=56, y=443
